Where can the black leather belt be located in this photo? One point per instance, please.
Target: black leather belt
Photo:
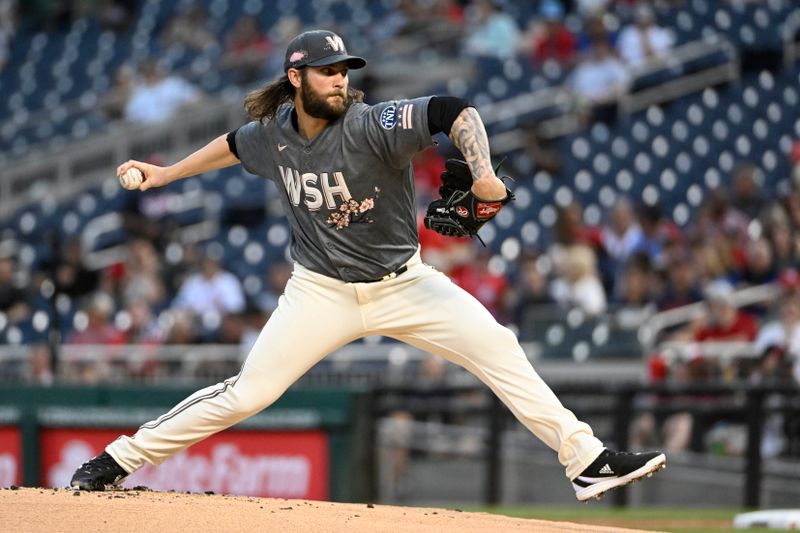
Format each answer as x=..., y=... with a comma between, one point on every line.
x=389, y=276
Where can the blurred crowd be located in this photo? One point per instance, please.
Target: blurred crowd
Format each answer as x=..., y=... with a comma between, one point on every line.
x=596, y=50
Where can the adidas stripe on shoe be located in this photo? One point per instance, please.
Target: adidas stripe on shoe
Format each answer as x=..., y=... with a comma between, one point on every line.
x=615, y=469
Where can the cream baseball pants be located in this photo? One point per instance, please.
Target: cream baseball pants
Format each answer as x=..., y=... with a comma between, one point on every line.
x=318, y=314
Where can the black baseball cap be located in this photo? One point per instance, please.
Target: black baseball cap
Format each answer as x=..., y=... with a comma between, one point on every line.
x=316, y=48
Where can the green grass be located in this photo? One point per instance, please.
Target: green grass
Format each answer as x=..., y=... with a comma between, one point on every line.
x=680, y=520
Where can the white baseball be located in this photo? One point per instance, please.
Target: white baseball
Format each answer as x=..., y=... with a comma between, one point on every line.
x=132, y=178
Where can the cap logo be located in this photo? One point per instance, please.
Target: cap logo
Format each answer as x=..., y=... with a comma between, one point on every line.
x=335, y=43
x=297, y=56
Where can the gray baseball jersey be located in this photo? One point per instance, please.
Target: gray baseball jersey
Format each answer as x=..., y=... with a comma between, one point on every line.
x=349, y=192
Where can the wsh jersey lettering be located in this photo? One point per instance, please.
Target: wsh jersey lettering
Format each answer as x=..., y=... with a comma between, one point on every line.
x=309, y=184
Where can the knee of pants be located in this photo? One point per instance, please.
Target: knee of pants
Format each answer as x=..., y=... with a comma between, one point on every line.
x=249, y=402
x=495, y=339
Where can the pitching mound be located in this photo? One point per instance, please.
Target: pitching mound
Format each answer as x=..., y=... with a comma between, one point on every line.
x=46, y=510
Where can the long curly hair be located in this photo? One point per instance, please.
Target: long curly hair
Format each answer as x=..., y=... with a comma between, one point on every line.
x=264, y=102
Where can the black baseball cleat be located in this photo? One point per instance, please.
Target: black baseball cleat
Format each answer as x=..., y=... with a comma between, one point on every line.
x=98, y=473
x=615, y=469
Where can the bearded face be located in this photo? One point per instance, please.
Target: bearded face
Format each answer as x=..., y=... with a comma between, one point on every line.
x=329, y=106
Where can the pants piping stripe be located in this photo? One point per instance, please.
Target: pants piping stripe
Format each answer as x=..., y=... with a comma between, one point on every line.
x=178, y=410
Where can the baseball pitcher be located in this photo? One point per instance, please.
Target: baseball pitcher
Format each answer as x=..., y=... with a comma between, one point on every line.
x=343, y=169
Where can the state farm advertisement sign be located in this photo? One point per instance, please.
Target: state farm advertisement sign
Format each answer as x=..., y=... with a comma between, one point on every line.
x=288, y=464
x=10, y=456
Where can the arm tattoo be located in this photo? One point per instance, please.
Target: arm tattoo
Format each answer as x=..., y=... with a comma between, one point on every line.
x=469, y=136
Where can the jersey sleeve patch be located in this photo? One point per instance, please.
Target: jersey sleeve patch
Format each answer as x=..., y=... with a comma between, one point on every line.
x=388, y=117
x=405, y=114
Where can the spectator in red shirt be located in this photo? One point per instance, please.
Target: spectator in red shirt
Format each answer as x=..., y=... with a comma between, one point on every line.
x=428, y=167
x=487, y=287
x=549, y=38
x=724, y=322
x=98, y=329
x=443, y=253
x=570, y=228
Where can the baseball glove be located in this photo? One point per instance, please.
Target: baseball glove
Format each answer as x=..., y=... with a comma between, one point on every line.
x=459, y=213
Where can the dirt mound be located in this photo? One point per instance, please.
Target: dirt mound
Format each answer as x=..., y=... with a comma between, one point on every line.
x=35, y=510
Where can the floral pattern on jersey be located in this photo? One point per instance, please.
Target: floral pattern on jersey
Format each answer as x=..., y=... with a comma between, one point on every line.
x=353, y=212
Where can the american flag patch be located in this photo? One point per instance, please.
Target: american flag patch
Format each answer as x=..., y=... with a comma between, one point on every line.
x=405, y=113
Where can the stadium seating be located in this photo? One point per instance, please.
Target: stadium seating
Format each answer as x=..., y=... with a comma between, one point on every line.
x=669, y=154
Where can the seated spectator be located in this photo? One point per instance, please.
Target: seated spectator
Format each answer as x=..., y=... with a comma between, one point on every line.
x=719, y=234
x=621, y=237
x=717, y=219
x=747, y=197
x=158, y=96
x=253, y=321
x=276, y=278
x=724, y=321
x=643, y=40
x=145, y=327
x=580, y=286
x=781, y=238
x=210, y=293
x=549, y=38
x=493, y=32
x=658, y=232
x=594, y=30
x=142, y=275
x=673, y=431
x=189, y=28
x=113, y=103
x=246, y=50
x=682, y=288
x=759, y=267
x=13, y=297
x=72, y=277
x=782, y=335
x=181, y=328
x=570, y=228
x=529, y=291
x=40, y=366
x=598, y=82
x=713, y=260
x=635, y=298
x=99, y=328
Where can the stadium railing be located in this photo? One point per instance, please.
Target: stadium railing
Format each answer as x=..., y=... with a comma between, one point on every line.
x=689, y=68
x=650, y=332
x=88, y=162
x=365, y=363
x=749, y=404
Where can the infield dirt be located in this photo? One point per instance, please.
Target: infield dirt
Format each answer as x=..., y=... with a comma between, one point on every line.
x=37, y=510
